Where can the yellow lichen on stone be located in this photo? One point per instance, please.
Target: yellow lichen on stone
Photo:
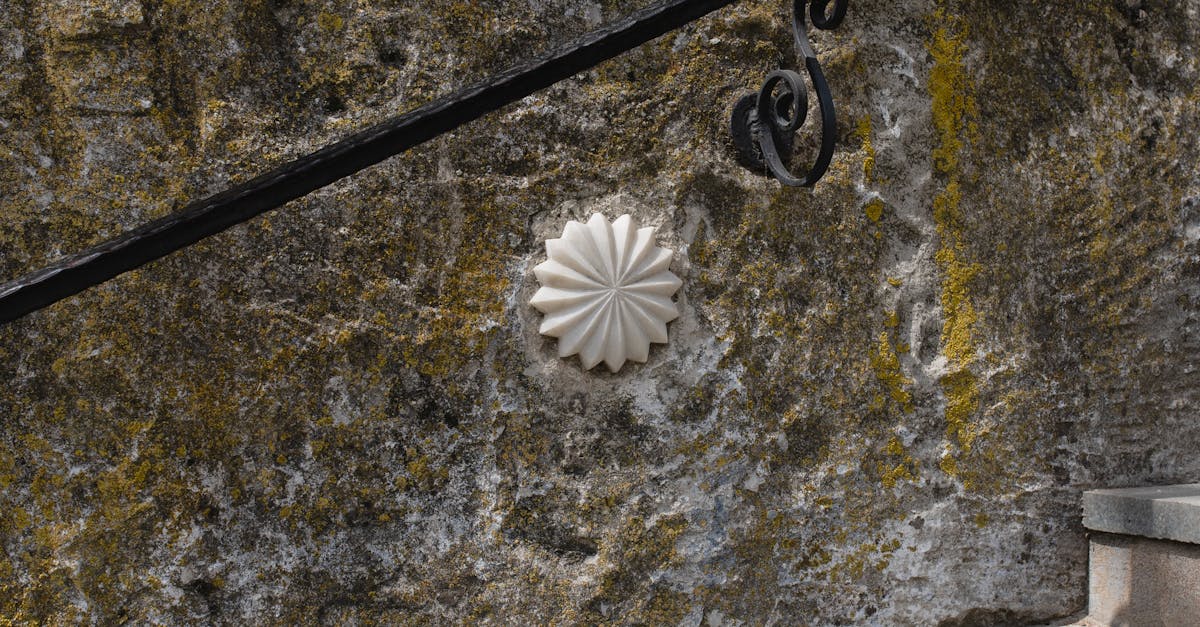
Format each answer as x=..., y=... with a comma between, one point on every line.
x=953, y=110
x=950, y=88
x=962, y=401
x=864, y=133
x=901, y=464
x=874, y=210
x=886, y=364
x=645, y=548
x=330, y=22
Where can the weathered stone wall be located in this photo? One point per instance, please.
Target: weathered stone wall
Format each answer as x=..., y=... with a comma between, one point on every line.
x=880, y=404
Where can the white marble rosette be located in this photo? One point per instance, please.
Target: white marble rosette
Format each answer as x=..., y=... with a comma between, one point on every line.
x=606, y=291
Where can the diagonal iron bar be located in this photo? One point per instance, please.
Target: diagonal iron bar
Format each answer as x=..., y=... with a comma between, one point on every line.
x=295, y=179
x=290, y=181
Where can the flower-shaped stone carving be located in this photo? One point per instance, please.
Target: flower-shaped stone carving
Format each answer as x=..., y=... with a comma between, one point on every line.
x=606, y=291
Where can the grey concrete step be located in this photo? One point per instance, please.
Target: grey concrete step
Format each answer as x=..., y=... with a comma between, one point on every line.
x=1162, y=512
x=1144, y=563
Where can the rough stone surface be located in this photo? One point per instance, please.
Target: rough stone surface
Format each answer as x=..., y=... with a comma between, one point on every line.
x=1138, y=581
x=881, y=403
x=1164, y=512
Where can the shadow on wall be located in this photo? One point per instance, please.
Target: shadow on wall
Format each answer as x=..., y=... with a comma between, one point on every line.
x=984, y=617
x=1140, y=582
x=1124, y=618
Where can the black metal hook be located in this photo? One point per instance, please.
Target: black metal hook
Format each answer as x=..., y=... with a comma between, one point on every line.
x=764, y=124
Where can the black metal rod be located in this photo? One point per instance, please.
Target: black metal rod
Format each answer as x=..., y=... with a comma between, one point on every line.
x=216, y=213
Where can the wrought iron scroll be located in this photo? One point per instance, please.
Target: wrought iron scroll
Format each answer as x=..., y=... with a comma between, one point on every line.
x=764, y=125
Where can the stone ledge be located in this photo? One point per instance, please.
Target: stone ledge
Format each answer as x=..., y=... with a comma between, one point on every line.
x=1164, y=512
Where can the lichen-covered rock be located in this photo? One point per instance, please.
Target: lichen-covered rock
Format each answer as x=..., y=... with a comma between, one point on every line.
x=879, y=405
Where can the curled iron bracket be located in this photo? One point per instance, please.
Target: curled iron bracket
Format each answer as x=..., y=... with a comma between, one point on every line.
x=764, y=124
